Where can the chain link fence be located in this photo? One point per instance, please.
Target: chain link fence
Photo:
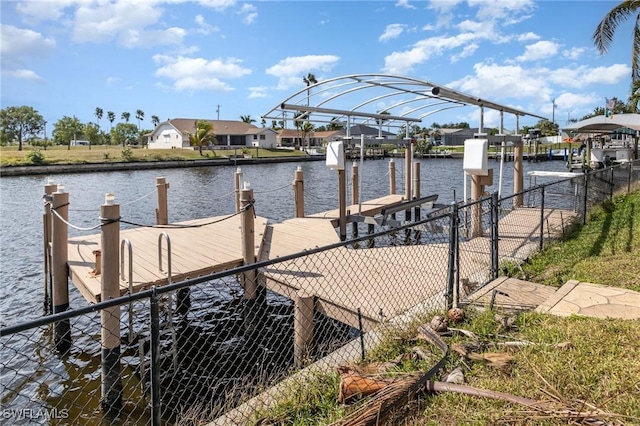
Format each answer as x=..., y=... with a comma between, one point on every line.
x=191, y=351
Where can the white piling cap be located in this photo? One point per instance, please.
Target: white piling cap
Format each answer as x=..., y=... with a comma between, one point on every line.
x=60, y=187
x=246, y=184
x=239, y=170
x=49, y=180
x=109, y=198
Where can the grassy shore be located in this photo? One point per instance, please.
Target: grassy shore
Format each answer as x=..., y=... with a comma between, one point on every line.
x=574, y=364
x=10, y=156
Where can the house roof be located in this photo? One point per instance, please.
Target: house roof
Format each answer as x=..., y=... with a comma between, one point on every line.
x=361, y=129
x=293, y=133
x=220, y=127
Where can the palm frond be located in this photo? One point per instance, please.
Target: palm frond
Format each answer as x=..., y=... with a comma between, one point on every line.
x=635, y=54
x=603, y=35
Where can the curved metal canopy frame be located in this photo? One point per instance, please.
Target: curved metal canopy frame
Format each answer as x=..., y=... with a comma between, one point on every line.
x=346, y=98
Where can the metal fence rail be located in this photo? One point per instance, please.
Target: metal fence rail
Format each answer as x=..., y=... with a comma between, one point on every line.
x=197, y=348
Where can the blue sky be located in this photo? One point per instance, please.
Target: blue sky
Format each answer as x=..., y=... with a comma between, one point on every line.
x=179, y=59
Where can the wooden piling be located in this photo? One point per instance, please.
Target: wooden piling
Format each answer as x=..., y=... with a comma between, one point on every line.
x=392, y=177
x=302, y=325
x=111, y=401
x=162, y=211
x=342, y=203
x=237, y=184
x=518, y=174
x=249, y=282
x=476, y=209
x=408, y=158
x=59, y=256
x=49, y=189
x=298, y=192
x=354, y=184
x=416, y=193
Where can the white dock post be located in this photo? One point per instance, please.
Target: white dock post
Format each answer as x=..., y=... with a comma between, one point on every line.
x=59, y=257
x=302, y=325
x=162, y=211
x=392, y=177
x=249, y=281
x=237, y=184
x=298, y=192
x=518, y=173
x=408, y=158
x=342, y=203
x=476, y=209
x=111, y=399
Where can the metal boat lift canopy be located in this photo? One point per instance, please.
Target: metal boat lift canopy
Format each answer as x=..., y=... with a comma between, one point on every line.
x=407, y=100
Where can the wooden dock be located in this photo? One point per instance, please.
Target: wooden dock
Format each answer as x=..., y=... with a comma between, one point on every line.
x=381, y=282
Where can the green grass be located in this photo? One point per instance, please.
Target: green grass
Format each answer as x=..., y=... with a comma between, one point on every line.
x=604, y=251
x=10, y=156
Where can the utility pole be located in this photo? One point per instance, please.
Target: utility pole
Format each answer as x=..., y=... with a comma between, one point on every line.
x=553, y=114
x=218, y=111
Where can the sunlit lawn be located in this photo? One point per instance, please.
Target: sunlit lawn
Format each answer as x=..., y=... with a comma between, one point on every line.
x=10, y=156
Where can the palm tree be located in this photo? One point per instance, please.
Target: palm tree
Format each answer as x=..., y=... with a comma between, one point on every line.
x=98, y=115
x=111, y=116
x=155, y=120
x=305, y=131
x=247, y=119
x=603, y=35
x=203, y=135
x=126, y=116
x=309, y=80
x=139, y=117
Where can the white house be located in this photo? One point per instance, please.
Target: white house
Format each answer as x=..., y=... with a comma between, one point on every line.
x=175, y=134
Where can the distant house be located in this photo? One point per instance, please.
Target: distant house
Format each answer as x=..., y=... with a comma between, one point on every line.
x=235, y=134
x=292, y=137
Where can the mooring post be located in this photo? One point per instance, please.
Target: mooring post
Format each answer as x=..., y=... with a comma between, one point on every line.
x=416, y=187
x=298, y=192
x=59, y=257
x=392, y=177
x=162, y=212
x=408, y=158
x=302, y=326
x=355, y=199
x=476, y=209
x=237, y=185
x=249, y=282
x=342, y=203
x=111, y=401
x=518, y=174
x=49, y=189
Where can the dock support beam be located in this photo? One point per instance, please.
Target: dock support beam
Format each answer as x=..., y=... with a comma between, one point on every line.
x=392, y=177
x=111, y=401
x=518, y=174
x=162, y=212
x=59, y=257
x=302, y=326
x=298, y=192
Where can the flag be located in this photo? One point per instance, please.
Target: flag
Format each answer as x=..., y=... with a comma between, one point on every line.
x=609, y=105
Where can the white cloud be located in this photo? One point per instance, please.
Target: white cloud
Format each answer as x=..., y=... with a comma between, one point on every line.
x=528, y=36
x=289, y=71
x=573, y=53
x=571, y=101
x=218, y=5
x=250, y=13
x=198, y=73
x=19, y=44
x=540, y=50
x=467, y=51
x=41, y=11
x=204, y=27
x=23, y=74
x=112, y=80
x=405, y=4
x=509, y=12
x=392, y=31
x=258, y=92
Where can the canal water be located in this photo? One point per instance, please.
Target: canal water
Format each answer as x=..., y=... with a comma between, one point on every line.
x=193, y=193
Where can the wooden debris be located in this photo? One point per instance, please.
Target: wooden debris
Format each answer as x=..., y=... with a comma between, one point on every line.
x=456, y=376
x=497, y=360
x=438, y=323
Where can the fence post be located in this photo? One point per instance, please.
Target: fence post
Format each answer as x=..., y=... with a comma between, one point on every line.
x=453, y=241
x=111, y=400
x=298, y=192
x=49, y=189
x=155, y=359
x=392, y=177
x=586, y=196
x=302, y=325
x=162, y=212
x=59, y=257
x=611, y=186
x=541, y=217
x=494, y=235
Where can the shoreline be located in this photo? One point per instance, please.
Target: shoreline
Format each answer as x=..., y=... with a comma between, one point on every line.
x=8, y=171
